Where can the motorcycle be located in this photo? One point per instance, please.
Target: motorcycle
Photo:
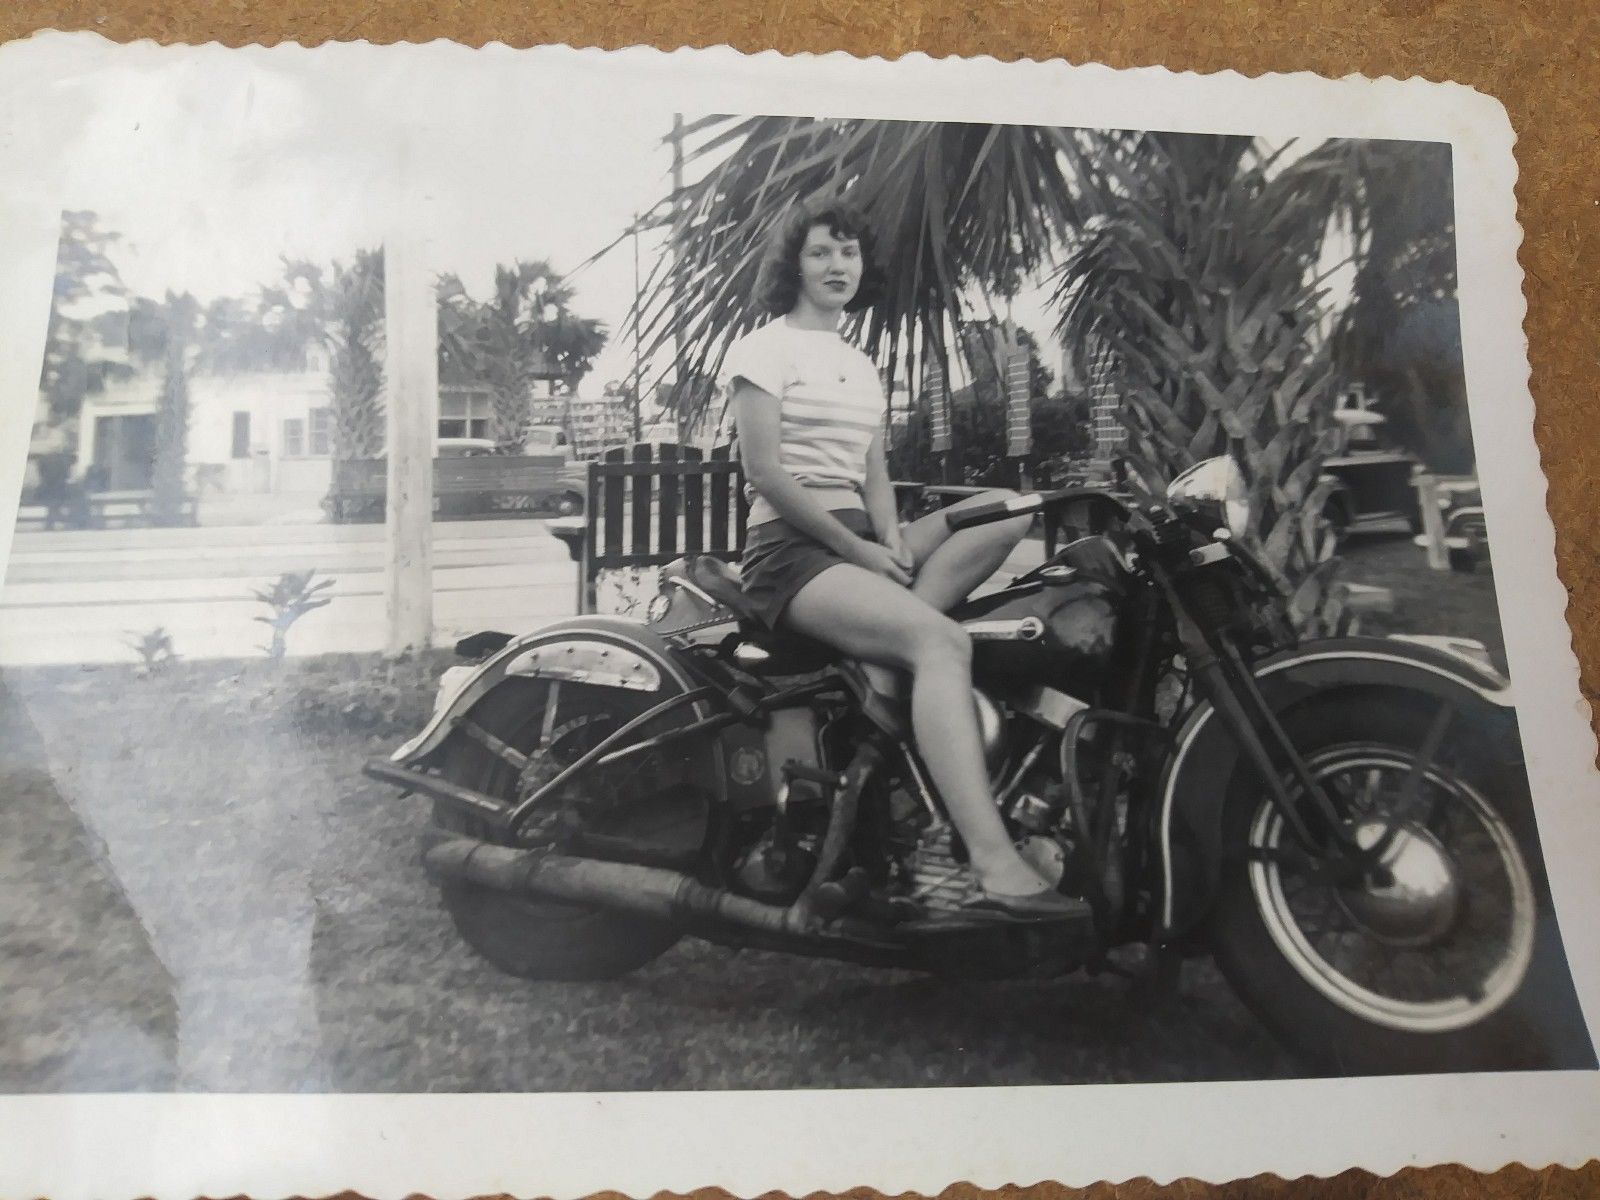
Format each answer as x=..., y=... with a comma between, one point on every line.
x=1343, y=823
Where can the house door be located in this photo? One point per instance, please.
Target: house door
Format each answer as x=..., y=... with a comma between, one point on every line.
x=124, y=453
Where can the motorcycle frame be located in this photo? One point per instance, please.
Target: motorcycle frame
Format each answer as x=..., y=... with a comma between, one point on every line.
x=1217, y=735
x=1235, y=723
x=1198, y=777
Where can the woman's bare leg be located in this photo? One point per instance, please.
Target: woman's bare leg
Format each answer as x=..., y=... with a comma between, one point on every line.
x=871, y=618
x=950, y=565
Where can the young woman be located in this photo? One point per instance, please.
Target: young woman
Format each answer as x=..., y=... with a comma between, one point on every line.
x=825, y=554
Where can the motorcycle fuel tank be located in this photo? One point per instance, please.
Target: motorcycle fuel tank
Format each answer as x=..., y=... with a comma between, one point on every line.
x=1056, y=627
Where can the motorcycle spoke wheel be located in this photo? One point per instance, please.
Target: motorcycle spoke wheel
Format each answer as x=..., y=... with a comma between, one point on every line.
x=647, y=799
x=1445, y=941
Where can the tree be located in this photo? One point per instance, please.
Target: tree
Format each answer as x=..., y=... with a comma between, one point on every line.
x=953, y=207
x=1400, y=336
x=81, y=350
x=526, y=332
x=1193, y=286
x=167, y=332
x=348, y=310
x=273, y=331
x=1188, y=258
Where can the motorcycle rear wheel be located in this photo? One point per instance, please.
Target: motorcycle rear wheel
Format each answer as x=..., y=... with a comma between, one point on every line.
x=1456, y=967
x=548, y=940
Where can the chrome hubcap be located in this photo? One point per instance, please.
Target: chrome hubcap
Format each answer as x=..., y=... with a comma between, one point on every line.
x=1415, y=898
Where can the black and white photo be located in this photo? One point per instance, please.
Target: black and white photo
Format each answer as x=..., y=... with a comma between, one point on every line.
x=693, y=580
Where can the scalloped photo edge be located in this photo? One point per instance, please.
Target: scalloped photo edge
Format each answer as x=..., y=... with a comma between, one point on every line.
x=74, y=1146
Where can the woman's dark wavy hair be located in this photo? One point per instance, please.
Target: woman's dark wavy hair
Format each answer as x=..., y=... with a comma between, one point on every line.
x=778, y=280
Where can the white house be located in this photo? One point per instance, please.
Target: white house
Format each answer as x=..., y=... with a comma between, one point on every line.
x=253, y=431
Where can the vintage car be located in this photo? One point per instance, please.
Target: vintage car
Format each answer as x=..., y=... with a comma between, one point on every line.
x=1373, y=481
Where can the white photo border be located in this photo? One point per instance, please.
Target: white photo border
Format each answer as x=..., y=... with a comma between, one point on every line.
x=176, y=1146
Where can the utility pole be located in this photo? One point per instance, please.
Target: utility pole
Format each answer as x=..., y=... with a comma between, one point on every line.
x=683, y=383
x=638, y=369
x=411, y=371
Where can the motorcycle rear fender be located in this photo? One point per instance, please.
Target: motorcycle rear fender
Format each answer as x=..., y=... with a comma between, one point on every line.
x=1195, y=783
x=597, y=651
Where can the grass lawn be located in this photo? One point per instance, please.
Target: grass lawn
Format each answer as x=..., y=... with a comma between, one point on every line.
x=198, y=890
x=1443, y=602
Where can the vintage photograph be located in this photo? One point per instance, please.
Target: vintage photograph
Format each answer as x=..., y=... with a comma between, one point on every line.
x=681, y=599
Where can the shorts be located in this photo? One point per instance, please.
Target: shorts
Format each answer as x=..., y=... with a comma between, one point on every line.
x=779, y=560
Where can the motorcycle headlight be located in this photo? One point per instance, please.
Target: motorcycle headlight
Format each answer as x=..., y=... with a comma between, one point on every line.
x=1216, y=481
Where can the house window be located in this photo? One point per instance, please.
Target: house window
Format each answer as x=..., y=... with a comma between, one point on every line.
x=321, y=431
x=464, y=414
x=241, y=435
x=294, y=438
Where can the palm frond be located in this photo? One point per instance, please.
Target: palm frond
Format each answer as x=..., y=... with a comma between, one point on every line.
x=952, y=207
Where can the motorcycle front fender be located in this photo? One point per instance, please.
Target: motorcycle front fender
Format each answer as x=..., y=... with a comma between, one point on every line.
x=1194, y=786
x=596, y=651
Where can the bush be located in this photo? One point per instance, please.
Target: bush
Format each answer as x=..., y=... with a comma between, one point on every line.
x=366, y=693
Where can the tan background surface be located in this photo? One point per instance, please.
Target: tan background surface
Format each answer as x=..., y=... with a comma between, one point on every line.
x=1541, y=59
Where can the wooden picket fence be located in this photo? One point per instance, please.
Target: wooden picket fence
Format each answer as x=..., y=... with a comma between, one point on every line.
x=648, y=504
x=651, y=503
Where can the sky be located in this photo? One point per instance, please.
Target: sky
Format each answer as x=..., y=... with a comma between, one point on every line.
x=213, y=168
x=211, y=179
x=212, y=173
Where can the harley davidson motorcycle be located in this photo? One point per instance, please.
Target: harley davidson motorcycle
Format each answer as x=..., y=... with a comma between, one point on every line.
x=1343, y=823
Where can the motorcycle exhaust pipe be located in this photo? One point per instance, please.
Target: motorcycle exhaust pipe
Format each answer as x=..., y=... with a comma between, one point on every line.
x=627, y=887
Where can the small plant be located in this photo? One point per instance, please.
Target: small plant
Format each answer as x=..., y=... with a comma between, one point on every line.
x=291, y=597
x=154, y=649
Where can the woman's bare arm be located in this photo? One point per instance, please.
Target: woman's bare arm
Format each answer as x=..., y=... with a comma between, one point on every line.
x=760, y=437
x=878, y=493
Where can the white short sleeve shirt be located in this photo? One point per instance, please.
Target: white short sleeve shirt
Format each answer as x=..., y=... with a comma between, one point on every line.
x=830, y=407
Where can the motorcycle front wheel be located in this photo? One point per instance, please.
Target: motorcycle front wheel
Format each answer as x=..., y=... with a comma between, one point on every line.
x=1445, y=958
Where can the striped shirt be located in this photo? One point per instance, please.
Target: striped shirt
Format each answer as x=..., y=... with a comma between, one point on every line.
x=830, y=407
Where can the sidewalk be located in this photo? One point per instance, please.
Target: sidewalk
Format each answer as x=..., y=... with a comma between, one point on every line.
x=84, y=596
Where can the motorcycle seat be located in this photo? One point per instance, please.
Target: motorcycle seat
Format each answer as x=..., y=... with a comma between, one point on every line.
x=720, y=581
x=761, y=651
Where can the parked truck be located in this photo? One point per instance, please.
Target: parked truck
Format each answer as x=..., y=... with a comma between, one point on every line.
x=473, y=477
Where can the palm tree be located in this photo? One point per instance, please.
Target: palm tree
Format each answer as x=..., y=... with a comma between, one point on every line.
x=1195, y=289
x=526, y=332
x=167, y=332
x=343, y=310
x=1188, y=261
x=954, y=207
x=349, y=312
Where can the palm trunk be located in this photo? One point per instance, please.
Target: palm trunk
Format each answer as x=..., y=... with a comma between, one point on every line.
x=172, y=440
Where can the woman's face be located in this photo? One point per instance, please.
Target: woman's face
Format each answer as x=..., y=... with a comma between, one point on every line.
x=830, y=269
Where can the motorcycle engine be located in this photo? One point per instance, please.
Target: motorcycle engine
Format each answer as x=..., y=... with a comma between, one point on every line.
x=776, y=867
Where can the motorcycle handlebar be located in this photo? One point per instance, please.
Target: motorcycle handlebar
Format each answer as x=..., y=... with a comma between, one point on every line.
x=1025, y=505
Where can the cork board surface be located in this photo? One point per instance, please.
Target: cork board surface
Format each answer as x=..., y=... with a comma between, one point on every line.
x=1541, y=60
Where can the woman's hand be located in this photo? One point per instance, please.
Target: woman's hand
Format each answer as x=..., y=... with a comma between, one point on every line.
x=881, y=560
x=895, y=544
